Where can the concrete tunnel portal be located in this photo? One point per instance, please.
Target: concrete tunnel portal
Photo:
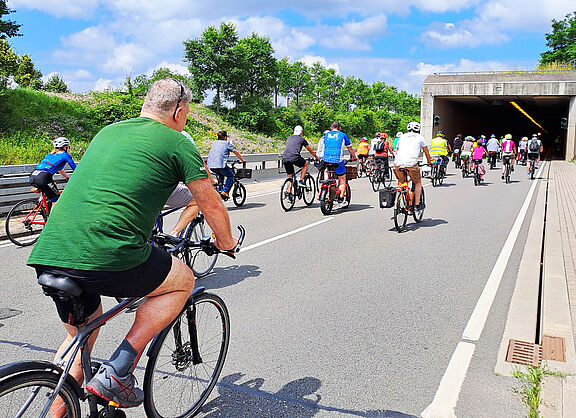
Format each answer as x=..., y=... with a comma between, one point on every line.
x=475, y=104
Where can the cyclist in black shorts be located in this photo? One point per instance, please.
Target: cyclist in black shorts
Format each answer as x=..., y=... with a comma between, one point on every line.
x=291, y=156
x=106, y=214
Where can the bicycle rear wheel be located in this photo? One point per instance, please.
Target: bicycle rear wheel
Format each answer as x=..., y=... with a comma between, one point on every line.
x=400, y=212
x=387, y=181
x=376, y=179
x=238, y=194
x=419, y=214
x=288, y=198
x=25, y=395
x=507, y=174
x=186, y=359
x=434, y=175
x=200, y=262
x=309, y=192
x=25, y=222
x=326, y=203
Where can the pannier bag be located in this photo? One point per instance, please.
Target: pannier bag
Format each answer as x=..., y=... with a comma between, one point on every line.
x=386, y=197
x=351, y=172
x=244, y=173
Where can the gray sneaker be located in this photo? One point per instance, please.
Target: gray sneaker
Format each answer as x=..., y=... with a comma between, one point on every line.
x=120, y=389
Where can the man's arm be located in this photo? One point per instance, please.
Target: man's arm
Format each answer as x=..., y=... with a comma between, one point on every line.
x=427, y=153
x=352, y=152
x=311, y=151
x=64, y=174
x=214, y=211
x=242, y=160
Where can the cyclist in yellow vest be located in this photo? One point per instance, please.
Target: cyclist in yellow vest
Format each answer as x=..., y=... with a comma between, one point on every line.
x=440, y=148
x=362, y=150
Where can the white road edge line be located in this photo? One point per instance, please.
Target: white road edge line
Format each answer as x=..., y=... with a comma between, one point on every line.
x=264, y=194
x=446, y=397
x=286, y=234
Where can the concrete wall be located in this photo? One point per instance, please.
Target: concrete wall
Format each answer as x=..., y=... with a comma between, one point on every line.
x=571, y=134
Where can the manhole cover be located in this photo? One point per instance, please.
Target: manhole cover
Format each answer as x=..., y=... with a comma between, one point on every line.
x=522, y=352
x=6, y=313
x=553, y=348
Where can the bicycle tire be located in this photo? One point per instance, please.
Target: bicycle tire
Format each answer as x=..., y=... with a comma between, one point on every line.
x=387, y=181
x=434, y=175
x=238, y=194
x=287, y=199
x=507, y=178
x=419, y=214
x=15, y=392
x=532, y=170
x=375, y=180
x=309, y=192
x=400, y=212
x=442, y=175
x=321, y=175
x=200, y=262
x=18, y=228
x=326, y=204
x=170, y=375
x=360, y=170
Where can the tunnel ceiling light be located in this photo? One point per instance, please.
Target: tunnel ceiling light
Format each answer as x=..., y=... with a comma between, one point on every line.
x=517, y=106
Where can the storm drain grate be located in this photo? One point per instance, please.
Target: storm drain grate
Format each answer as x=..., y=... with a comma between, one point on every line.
x=522, y=352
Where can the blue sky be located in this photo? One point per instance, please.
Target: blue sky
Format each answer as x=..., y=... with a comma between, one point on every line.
x=93, y=44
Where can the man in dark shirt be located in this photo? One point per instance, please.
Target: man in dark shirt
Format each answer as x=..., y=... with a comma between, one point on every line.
x=291, y=156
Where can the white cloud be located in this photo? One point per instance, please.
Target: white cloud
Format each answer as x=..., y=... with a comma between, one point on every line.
x=173, y=67
x=103, y=84
x=353, y=35
x=468, y=34
x=310, y=60
x=58, y=8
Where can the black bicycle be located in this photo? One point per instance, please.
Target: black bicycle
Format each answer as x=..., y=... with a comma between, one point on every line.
x=199, y=261
x=476, y=172
x=437, y=172
x=184, y=360
x=464, y=166
x=237, y=191
x=292, y=190
x=381, y=175
x=507, y=168
x=405, y=202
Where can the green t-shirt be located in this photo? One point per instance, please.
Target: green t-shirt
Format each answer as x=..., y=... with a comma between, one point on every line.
x=104, y=216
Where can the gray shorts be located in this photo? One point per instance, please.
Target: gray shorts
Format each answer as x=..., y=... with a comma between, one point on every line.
x=180, y=197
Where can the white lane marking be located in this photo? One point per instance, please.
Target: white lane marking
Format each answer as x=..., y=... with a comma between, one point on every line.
x=446, y=397
x=286, y=234
x=264, y=194
x=6, y=245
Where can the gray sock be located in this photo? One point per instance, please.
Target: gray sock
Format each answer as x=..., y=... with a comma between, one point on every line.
x=124, y=358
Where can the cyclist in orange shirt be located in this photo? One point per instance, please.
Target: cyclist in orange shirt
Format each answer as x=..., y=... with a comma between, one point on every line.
x=362, y=150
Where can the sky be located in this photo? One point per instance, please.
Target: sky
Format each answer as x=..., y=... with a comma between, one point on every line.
x=95, y=44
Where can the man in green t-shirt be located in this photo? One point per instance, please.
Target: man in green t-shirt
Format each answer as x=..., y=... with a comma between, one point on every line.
x=97, y=233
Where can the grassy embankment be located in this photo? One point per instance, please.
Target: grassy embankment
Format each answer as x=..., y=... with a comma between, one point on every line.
x=30, y=120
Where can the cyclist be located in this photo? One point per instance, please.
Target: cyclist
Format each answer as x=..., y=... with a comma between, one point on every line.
x=52, y=163
x=410, y=145
x=334, y=142
x=534, y=149
x=381, y=151
x=362, y=150
x=217, y=158
x=291, y=156
x=456, y=146
x=466, y=150
x=108, y=210
x=493, y=148
x=522, y=148
x=440, y=147
x=373, y=143
x=508, y=151
x=477, y=154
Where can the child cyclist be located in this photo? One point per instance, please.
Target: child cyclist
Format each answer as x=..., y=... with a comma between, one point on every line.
x=54, y=162
x=477, y=154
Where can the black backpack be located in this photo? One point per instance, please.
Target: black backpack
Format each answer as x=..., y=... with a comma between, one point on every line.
x=380, y=146
x=533, y=146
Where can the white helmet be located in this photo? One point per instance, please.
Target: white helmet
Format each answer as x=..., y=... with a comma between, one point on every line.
x=413, y=127
x=61, y=142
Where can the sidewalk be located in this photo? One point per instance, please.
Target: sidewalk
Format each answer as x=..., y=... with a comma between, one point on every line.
x=558, y=398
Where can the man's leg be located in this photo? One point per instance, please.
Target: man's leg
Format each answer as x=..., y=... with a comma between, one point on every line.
x=417, y=192
x=229, y=174
x=304, y=170
x=187, y=215
x=342, y=185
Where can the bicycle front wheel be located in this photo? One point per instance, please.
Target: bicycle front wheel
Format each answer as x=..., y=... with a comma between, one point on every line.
x=186, y=359
x=200, y=262
x=400, y=212
x=25, y=395
x=25, y=222
x=419, y=214
x=309, y=190
x=288, y=198
x=238, y=194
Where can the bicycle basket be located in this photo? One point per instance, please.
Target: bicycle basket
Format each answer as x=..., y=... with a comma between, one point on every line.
x=244, y=173
x=386, y=197
x=351, y=172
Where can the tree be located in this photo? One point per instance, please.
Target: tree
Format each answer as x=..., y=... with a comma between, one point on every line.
x=8, y=63
x=139, y=85
x=56, y=84
x=561, y=41
x=8, y=29
x=211, y=59
x=294, y=79
x=27, y=75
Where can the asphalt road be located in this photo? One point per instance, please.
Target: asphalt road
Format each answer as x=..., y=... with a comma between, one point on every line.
x=346, y=317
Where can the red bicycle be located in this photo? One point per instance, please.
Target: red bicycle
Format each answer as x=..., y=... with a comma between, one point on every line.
x=27, y=218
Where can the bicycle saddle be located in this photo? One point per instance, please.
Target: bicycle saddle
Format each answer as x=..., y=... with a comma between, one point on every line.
x=62, y=286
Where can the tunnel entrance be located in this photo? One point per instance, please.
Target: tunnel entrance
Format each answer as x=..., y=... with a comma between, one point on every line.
x=485, y=115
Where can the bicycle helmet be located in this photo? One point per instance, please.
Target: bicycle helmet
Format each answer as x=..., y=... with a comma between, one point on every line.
x=364, y=140
x=492, y=136
x=413, y=127
x=508, y=136
x=377, y=135
x=61, y=142
x=469, y=138
x=383, y=135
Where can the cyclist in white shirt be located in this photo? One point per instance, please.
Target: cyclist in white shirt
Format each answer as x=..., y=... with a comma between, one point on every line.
x=410, y=146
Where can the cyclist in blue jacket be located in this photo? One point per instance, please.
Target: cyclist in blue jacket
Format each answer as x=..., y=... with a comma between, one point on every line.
x=54, y=162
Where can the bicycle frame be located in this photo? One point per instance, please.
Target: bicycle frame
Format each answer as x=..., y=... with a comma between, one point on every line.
x=31, y=217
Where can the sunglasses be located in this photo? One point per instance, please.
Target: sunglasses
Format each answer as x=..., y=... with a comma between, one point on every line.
x=179, y=97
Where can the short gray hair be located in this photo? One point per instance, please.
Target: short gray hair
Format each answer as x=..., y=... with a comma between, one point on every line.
x=298, y=130
x=163, y=95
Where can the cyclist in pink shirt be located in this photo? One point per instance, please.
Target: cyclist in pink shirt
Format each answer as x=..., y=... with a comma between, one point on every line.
x=477, y=154
x=508, y=151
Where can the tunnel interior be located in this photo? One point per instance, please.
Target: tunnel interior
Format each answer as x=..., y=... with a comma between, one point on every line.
x=485, y=115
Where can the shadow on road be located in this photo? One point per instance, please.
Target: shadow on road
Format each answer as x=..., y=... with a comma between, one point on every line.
x=298, y=398
x=426, y=223
x=228, y=276
x=245, y=206
x=354, y=207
